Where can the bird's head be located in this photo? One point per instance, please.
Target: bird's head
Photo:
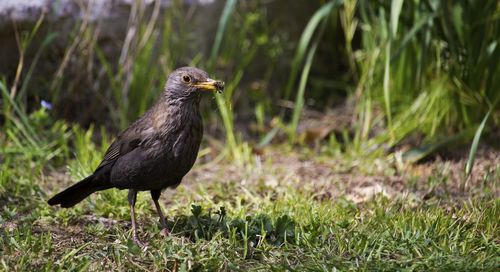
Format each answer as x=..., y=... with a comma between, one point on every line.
x=188, y=81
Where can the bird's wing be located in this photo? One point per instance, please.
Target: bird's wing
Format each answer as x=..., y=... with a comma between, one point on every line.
x=125, y=143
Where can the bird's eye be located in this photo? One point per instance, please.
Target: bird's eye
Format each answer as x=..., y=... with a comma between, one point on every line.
x=186, y=78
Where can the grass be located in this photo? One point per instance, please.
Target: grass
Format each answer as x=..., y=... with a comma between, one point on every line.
x=418, y=75
x=421, y=69
x=318, y=20
x=280, y=214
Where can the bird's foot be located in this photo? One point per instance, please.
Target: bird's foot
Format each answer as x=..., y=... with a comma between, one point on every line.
x=165, y=232
x=140, y=244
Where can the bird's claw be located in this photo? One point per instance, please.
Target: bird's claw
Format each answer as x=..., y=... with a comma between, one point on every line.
x=165, y=232
x=143, y=246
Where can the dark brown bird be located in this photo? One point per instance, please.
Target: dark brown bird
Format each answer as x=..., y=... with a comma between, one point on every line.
x=156, y=151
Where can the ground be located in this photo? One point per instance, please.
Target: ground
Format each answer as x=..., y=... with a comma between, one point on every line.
x=286, y=209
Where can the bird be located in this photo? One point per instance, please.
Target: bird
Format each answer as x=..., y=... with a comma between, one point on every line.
x=156, y=151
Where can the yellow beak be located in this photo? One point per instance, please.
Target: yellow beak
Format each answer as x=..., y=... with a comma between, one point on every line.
x=210, y=85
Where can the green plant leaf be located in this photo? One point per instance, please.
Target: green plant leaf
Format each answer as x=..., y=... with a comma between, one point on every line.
x=475, y=142
x=396, y=6
x=305, y=40
x=226, y=13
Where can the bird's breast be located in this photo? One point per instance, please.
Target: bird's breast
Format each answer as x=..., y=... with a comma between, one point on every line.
x=181, y=148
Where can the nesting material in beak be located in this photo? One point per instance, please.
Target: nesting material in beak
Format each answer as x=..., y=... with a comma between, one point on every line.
x=211, y=85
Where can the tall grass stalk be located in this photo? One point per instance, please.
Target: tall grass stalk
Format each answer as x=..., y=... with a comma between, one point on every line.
x=26, y=139
x=474, y=145
x=83, y=27
x=475, y=142
x=299, y=101
x=151, y=50
x=223, y=101
x=394, y=20
x=319, y=19
x=435, y=73
x=22, y=45
x=221, y=29
x=244, y=35
x=19, y=118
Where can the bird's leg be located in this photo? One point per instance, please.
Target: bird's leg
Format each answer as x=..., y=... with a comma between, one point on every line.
x=132, y=197
x=155, y=195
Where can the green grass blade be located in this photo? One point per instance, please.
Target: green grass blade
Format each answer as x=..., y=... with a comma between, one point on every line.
x=299, y=102
x=24, y=124
x=304, y=42
x=396, y=6
x=416, y=154
x=320, y=16
x=268, y=137
x=387, y=92
x=226, y=13
x=412, y=34
x=222, y=103
x=49, y=39
x=475, y=143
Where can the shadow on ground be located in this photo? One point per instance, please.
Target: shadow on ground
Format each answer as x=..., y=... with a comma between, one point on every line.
x=253, y=229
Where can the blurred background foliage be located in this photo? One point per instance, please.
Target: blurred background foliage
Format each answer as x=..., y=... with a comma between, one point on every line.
x=356, y=78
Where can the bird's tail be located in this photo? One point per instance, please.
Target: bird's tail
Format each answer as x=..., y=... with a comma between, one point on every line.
x=76, y=193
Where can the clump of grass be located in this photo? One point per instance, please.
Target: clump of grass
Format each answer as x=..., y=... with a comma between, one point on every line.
x=423, y=74
x=25, y=133
x=415, y=71
x=234, y=228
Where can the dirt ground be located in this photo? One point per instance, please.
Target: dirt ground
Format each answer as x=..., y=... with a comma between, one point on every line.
x=333, y=178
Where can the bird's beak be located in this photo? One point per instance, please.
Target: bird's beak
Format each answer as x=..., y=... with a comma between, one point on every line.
x=210, y=85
